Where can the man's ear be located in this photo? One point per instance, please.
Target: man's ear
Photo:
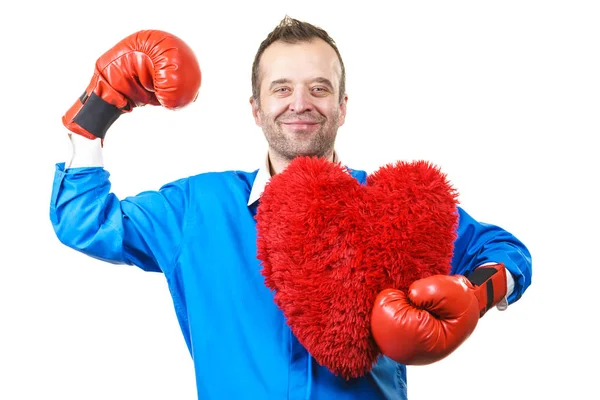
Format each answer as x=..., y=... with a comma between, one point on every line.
x=255, y=111
x=343, y=106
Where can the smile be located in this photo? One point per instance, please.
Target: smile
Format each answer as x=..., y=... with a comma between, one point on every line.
x=300, y=125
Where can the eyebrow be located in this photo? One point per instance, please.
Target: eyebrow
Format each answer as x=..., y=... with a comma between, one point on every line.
x=324, y=81
x=278, y=82
x=319, y=79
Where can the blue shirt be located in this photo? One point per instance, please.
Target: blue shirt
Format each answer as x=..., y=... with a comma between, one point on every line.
x=200, y=232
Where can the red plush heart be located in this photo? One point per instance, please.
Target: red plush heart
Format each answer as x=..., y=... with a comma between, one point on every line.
x=328, y=245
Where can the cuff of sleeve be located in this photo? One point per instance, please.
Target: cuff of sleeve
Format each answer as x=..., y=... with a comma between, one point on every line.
x=85, y=152
x=510, y=286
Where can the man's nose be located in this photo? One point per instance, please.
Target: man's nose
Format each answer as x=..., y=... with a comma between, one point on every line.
x=301, y=101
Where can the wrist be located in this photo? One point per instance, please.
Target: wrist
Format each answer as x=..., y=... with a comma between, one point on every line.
x=491, y=286
x=85, y=152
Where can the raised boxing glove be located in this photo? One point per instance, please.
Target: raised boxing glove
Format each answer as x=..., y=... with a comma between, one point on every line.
x=149, y=67
x=436, y=315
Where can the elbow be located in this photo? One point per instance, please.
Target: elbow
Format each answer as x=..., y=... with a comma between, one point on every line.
x=86, y=234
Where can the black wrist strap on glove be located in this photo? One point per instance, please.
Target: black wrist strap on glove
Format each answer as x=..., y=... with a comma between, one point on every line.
x=490, y=283
x=96, y=115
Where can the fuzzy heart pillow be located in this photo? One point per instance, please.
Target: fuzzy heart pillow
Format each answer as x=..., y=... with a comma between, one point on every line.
x=328, y=245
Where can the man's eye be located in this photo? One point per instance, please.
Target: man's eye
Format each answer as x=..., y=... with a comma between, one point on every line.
x=282, y=89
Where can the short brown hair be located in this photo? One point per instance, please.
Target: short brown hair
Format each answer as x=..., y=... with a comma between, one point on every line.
x=291, y=30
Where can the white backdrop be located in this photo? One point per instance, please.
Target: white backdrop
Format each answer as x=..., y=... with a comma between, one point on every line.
x=504, y=96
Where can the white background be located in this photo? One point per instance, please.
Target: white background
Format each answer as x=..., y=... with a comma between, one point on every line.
x=503, y=95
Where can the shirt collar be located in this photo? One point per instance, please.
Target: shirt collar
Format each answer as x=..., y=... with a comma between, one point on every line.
x=264, y=175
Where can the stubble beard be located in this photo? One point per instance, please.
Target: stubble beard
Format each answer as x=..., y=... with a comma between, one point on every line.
x=287, y=146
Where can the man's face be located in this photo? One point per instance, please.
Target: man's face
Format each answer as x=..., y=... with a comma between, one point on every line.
x=300, y=109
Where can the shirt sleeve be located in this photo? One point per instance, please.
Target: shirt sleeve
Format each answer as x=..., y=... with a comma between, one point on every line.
x=479, y=243
x=143, y=230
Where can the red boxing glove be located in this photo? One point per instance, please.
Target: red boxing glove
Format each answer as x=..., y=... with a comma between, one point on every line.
x=146, y=68
x=436, y=315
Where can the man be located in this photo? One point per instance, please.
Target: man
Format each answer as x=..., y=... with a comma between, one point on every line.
x=200, y=232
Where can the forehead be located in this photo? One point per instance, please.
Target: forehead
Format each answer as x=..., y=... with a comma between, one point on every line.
x=300, y=62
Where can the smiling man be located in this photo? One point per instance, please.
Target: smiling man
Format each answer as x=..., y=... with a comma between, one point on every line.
x=200, y=231
x=298, y=98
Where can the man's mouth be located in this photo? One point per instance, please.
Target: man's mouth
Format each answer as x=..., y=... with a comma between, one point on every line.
x=300, y=122
x=301, y=126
